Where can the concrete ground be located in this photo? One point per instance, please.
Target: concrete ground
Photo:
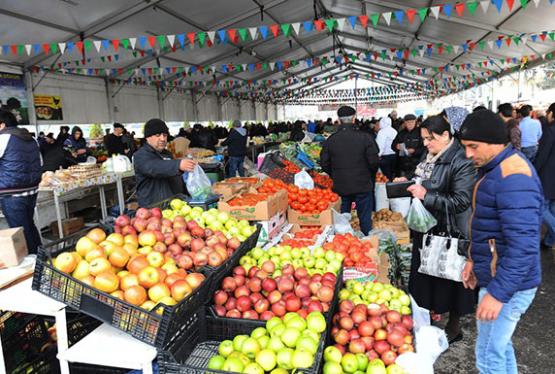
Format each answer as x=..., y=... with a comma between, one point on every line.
x=532, y=340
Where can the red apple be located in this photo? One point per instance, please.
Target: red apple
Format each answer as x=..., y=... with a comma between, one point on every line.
x=244, y=303
x=255, y=285
x=381, y=346
x=228, y=284
x=346, y=306
x=300, y=273
x=269, y=285
x=393, y=316
x=286, y=284
x=302, y=291
x=267, y=315
x=197, y=244
x=380, y=334
x=279, y=308
x=325, y=294
x=274, y=296
x=239, y=270
x=269, y=267
x=346, y=323
x=388, y=357
x=292, y=304
x=357, y=346
x=220, y=310
x=314, y=306
x=365, y=328
x=262, y=306
x=241, y=291
x=255, y=297
x=250, y=314
x=234, y=313
x=342, y=337
x=220, y=297
x=231, y=303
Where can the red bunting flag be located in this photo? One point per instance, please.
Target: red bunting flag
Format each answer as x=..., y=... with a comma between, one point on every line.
x=110, y=58
x=45, y=46
x=510, y=3
x=149, y=70
x=275, y=30
x=79, y=46
x=115, y=42
x=14, y=48
x=406, y=54
x=319, y=24
x=152, y=41
x=259, y=66
x=191, y=37
x=120, y=71
x=508, y=41
x=232, y=35
x=363, y=20
x=543, y=36
x=410, y=14
x=460, y=9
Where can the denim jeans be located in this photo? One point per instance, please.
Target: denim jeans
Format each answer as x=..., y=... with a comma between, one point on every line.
x=549, y=221
x=364, y=204
x=530, y=152
x=19, y=212
x=494, y=349
x=236, y=165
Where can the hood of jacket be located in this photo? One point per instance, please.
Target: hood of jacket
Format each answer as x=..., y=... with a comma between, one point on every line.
x=241, y=131
x=385, y=123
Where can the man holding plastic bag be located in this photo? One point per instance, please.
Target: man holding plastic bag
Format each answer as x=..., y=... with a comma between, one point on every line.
x=350, y=157
x=505, y=250
x=157, y=174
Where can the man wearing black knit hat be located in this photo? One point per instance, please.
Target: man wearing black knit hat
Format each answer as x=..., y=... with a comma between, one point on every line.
x=113, y=143
x=158, y=175
x=350, y=157
x=503, y=259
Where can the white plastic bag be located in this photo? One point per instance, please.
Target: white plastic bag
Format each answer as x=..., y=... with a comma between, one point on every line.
x=415, y=363
x=431, y=341
x=400, y=205
x=121, y=163
x=420, y=316
x=418, y=218
x=304, y=180
x=380, y=196
x=198, y=184
x=342, y=222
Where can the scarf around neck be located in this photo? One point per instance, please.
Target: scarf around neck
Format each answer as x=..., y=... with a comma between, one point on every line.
x=425, y=168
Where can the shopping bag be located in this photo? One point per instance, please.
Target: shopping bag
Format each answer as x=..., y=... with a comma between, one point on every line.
x=197, y=183
x=342, y=222
x=418, y=218
x=304, y=180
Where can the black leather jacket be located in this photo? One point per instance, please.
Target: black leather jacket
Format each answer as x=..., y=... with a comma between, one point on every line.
x=450, y=188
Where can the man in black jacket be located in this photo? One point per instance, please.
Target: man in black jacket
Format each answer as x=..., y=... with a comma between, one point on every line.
x=157, y=174
x=53, y=156
x=409, y=147
x=350, y=157
x=236, y=144
x=113, y=143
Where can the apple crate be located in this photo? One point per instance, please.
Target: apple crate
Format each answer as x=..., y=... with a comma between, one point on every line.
x=147, y=326
x=194, y=346
x=210, y=202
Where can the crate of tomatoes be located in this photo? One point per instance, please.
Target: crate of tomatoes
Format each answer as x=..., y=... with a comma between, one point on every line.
x=311, y=207
x=254, y=205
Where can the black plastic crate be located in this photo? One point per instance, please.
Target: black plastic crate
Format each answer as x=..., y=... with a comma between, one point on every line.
x=13, y=322
x=191, y=350
x=25, y=342
x=147, y=326
x=79, y=368
x=45, y=364
x=79, y=325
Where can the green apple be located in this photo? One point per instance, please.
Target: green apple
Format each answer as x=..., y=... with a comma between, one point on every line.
x=275, y=344
x=344, y=294
x=320, y=263
x=258, y=332
x=308, y=344
x=233, y=364
x=253, y=368
x=176, y=204
x=297, y=263
x=250, y=347
x=279, y=371
x=277, y=331
x=385, y=295
x=309, y=261
x=225, y=348
x=376, y=362
x=285, y=358
x=332, y=354
x=362, y=361
x=404, y=299
x=185, y=210
x=273, y=322
x=378, y=287
x=223, y=217
x=290, y=336
x=305, y=252
x=376, y=370
x=285, y=256
x=238, y=342
x=296, y=253
x=319, y=252
x=302, y=359
x=395, y=304
x=241, y=356
x=358, y=288
x=289, y=316
x=316, y=322
x=332, y=368
x=297, y=323
x=216, y=362
x=395, y=369
x=257, y=253
x=311, y=334
x=266, y=359
x=330, y=256
x=405, y=310
x=349, y=363
x=263, y=341
x=244, y=223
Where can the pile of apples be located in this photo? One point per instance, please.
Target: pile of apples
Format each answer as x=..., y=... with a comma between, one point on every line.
x=188, y=242
x=281, y=347
x=376, y=293
x=318, y=261
x=116, y=265
x=353, y=249
x=261, y=294
x=373, y=330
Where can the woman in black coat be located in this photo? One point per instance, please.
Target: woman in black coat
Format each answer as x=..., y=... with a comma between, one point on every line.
x=447, y=182
x=545, y=165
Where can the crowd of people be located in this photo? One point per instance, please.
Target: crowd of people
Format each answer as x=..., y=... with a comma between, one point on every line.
x=473, y=172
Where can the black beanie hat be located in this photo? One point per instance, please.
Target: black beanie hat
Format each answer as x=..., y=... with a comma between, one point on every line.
x=118, y=125
x=155, y=126
x=346, y=111
x=486, y=127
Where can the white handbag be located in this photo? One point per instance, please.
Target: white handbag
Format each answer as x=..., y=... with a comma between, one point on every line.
x=443, y=254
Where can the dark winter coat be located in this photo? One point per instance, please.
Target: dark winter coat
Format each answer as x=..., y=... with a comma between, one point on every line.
x=506, y=221
x=545, y=162
x=157, y=175
x=296, y=135
x=20, y=161
x=412, y=140
x=350, y=157
x=114, y=144
x=53, y=156
x=204, y=138
x=236, y=143
x=71, y=145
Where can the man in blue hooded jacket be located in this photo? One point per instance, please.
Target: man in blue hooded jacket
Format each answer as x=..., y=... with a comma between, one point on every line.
x=20, y=174
x=504, y=260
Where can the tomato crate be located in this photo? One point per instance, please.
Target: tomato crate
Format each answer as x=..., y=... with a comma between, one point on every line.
x=193, y=348
x=24, y=340
x=149, y=327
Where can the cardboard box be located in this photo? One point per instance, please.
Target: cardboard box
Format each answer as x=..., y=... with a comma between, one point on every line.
x=321, y=219
x=69, y=226
x=399, y=228
x=228, y=189
x=271, y=228
x=262, y=211
x=14, y=247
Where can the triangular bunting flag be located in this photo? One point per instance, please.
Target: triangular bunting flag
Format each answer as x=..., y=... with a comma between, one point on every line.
x=447, y=9
x=498, y=5
x=63, y=47
x=221, y=34
x=482, y=45
x=275, y=30
x=490, y=44
x=472, y=5
x=422, y=13
x=510, y=3
x=485, y=5
x=211, y=36
x=387, y=17
x=115, y=43
x=435, y=11
x=459, y=8
x=523, y=3
x=28, y=48
x=353, y=21
x=124, y=43
x=243, y=34
x=536, y=2
x=308, y=26
x=340, y=23
x=456, y=48
x=399, y=14
x=410, y=15
x=272, y=65
x=181, y=39
x=171, y=39
x=132, y=42
x=330, y=24
x=319, y=24
x=264, y=31
x=152, y=41
x=375, y=17
x=232, y=35
x=296, y=27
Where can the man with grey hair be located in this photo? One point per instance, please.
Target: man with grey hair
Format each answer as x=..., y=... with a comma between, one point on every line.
x=350, y=157
x=236, y=144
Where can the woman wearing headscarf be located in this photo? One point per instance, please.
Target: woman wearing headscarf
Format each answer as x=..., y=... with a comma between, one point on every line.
x=76, y=146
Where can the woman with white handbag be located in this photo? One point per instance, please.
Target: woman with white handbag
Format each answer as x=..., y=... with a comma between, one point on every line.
x=447, y=179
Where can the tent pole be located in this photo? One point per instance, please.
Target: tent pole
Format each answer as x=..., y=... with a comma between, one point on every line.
x=31, y=101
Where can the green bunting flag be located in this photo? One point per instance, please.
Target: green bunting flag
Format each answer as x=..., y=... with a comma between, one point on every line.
x=375, y=18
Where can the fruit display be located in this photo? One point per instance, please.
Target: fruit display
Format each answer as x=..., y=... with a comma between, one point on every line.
x=270, y=185
x=291, y=167
x=297, y=243
x=249, y=199
x=264, y=292
x=355, y=251
x=376, y=293
x=243, y=180
x=307, y=233
x=368, y=338
x=380, y=178
x=321, y=180
x=318, y=261
x=305, y=237
x=282, y=346
x=116, y=264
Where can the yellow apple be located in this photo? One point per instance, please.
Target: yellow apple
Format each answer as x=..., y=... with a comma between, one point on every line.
x=84, y=245
x=116, y=238
x=65, y=262
x=155, y=259
x=99, y=265
x=144, y=250
x=81, y=270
